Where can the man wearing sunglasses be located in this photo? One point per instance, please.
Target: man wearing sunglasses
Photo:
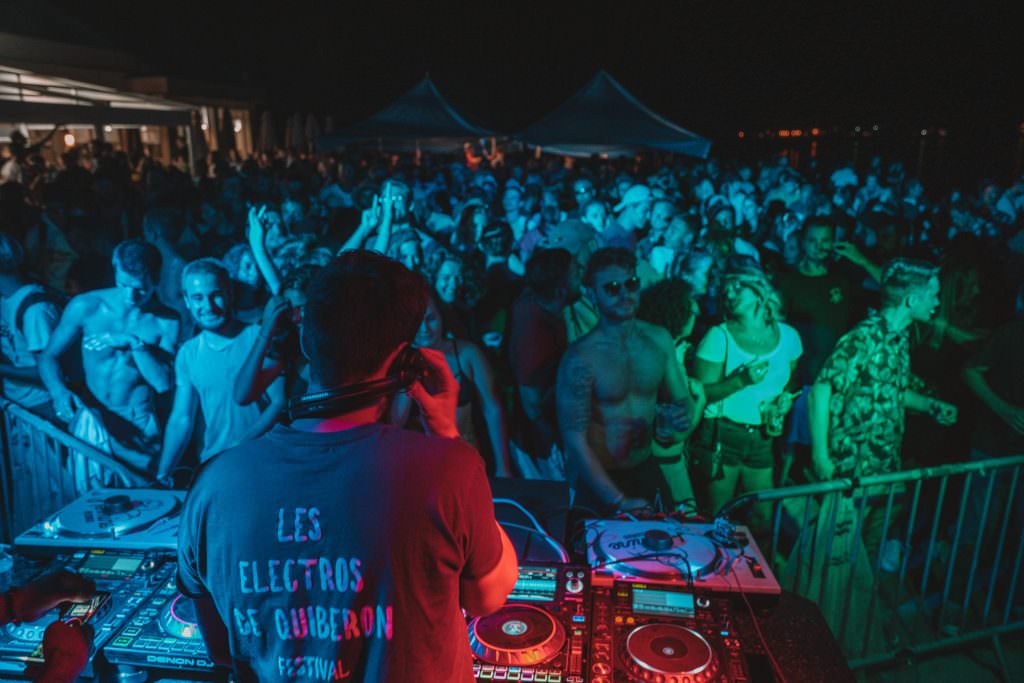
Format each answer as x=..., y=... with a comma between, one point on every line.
x=610, y=383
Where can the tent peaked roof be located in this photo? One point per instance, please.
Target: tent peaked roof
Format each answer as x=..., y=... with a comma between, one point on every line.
x=605, y=118
x=420, y=116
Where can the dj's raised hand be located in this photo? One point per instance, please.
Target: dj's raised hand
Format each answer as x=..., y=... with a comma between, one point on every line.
x=65, y=652
x=437, y=394
x=33, y=600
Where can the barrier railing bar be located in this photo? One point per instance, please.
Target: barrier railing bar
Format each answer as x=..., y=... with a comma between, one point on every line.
x=1013, y=580
x=923, y=591
x=951, y=562
x=878, y=568
x=908, y=651
x=827, y=561
x=905, y=559
x=797, y=563
x=1000, y=546
x=861, y=505
x=62, y=437
x=978, y=543
x=776, y=521
x=890, y=478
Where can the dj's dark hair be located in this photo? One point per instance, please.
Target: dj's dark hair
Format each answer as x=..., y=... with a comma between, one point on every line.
x=138, y=258
x=359, y=309
x=547, y=270
x=606, y=257
x=667, y=304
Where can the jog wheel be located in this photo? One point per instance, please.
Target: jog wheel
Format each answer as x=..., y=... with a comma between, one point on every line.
x=516, y=635
x=179, y=619
x=669, y=653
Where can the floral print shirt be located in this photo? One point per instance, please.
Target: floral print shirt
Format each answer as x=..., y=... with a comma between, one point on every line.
x=868, y=372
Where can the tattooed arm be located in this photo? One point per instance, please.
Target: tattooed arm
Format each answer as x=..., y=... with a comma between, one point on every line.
x=574, y=400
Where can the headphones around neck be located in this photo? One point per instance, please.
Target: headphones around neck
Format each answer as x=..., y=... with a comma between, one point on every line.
x=408, y=367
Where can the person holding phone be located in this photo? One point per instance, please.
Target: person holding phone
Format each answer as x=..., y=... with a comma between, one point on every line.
x=338, y=543
x=746, y=365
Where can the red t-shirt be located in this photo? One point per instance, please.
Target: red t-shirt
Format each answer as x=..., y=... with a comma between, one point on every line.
x=338, y=556
x=536, y=343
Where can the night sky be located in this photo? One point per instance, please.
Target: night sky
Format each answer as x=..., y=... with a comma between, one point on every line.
x=714, y=66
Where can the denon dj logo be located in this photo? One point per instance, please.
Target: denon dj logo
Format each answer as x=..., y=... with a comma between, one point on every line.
x=166, y=660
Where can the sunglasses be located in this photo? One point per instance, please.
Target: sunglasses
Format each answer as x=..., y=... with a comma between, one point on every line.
x=632, y=285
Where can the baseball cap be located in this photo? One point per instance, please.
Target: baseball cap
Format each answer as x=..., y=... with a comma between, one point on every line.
x=572, y=235
x=634, y=195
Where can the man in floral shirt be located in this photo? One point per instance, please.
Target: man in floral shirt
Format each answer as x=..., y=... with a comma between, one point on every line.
x=857, y=402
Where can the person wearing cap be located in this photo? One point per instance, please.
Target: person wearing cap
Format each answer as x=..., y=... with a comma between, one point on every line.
x=632, y=214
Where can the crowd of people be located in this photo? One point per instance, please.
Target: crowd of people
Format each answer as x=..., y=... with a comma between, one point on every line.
x=662, y=332
x=655, y=328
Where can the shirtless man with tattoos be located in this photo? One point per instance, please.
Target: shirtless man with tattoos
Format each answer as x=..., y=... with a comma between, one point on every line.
x=128, y=340
x=610, y=383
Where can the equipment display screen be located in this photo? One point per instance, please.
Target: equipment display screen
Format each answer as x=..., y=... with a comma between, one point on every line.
x=670, y=603
x=535, y=584
x=119, y=565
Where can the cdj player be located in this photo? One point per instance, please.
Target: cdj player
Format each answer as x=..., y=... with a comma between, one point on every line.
x=128, y=575
x=671, y=634
x=164, y=634
x=542, y=632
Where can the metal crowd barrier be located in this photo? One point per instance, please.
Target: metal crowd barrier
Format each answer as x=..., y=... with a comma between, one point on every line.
x=44, y=468
x=907, y=564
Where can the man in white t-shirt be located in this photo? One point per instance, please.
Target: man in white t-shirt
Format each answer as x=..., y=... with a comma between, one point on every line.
x=27, y=317
x=205, y=370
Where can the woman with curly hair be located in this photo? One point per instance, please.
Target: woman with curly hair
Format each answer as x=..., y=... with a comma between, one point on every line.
x=745, y=364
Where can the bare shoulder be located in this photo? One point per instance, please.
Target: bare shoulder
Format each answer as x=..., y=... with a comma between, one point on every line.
x=655, y=333
x=584, y=350
x=577, y=360
x=85, y=304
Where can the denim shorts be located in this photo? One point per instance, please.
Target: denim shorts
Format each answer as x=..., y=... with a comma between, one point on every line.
x=741, y=444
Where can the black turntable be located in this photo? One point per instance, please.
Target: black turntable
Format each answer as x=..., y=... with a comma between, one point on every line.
x=542, y=632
